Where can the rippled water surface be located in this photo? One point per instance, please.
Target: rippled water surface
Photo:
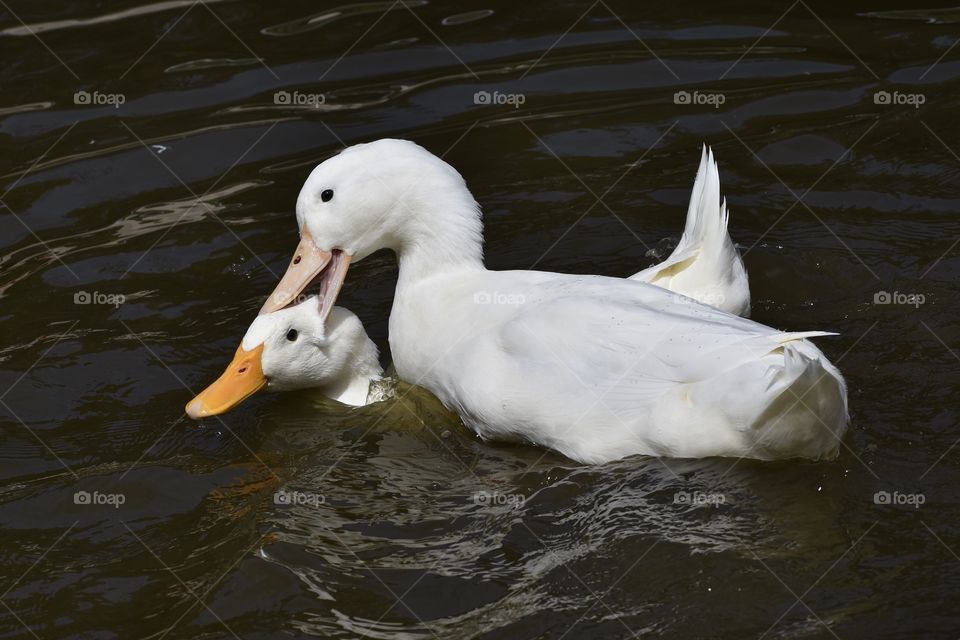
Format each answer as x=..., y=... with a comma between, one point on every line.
x=152, y=153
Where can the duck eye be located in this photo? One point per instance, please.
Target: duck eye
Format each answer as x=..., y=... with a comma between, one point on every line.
x=326, y=195
x=292, y=335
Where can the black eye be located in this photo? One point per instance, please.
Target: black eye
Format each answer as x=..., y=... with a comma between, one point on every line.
x=292, y=335
x=326, y=195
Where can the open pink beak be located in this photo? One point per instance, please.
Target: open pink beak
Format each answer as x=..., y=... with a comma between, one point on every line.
x=310, y=265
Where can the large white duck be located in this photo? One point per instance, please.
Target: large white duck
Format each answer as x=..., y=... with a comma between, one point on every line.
x=596, y=368
x=293, y=349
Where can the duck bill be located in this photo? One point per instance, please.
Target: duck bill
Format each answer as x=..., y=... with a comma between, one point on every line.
x=243, y=378
x=310, y=265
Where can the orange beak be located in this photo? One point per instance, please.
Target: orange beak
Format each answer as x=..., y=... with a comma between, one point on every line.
x=310, y=264
x=243, y=377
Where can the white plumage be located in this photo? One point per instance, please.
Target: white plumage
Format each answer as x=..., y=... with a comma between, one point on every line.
x=597, y=368
x=705, y=265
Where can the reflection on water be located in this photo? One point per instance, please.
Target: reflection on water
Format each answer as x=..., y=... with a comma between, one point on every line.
x=296, y=516
x=327, y=17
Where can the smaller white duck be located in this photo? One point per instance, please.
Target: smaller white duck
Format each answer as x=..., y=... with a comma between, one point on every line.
x=294, y=349
x=705, y=265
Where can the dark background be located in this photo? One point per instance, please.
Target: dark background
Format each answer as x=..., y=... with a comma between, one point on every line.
x=181, y=200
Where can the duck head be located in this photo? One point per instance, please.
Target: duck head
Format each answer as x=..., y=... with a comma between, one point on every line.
x=387, y=194
x=295, y=348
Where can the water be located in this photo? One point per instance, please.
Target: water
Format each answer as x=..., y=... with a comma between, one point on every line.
x=173, y=186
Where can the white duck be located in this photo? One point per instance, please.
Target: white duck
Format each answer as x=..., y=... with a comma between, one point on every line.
x=290, y=349
x=597, y=368
x=295, y=349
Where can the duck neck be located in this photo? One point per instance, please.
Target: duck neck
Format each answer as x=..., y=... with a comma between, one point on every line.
x=354, y=355
x=449, y=240
x=353, y=390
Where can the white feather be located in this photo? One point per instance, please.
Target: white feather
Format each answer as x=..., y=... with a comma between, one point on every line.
x=601, y=368
x=705, y=265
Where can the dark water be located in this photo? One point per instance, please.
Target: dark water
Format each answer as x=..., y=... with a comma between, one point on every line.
x=180, y=200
